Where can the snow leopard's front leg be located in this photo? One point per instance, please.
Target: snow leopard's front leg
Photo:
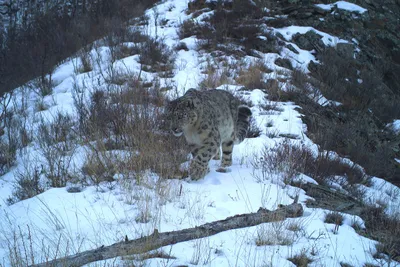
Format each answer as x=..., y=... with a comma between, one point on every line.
x=201, y=156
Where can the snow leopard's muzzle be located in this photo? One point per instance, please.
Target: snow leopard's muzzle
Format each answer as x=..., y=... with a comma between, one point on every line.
x=177, y=132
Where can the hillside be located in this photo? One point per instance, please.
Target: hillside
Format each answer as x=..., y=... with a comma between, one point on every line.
x=86, y=160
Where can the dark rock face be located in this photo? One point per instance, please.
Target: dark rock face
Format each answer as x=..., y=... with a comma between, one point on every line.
x=309, y=41
x=363, y=70
x=376, y=32
x=284, y=63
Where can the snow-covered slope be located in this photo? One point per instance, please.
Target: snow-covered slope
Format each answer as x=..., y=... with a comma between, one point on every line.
x=56, y=223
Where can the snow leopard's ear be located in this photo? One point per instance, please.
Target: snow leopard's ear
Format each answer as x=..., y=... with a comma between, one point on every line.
x=189, y=103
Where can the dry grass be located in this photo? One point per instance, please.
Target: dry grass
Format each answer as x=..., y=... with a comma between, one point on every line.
x=123, y=130
x=232, y=28
x=301, y=259
x=284, y=233
x=252, y=77
x=216, y=74
x=291, y=160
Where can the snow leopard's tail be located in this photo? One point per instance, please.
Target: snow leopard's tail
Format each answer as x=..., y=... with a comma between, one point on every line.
x=243, y=123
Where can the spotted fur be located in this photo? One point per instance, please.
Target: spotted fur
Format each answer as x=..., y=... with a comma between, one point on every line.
x=209, y=120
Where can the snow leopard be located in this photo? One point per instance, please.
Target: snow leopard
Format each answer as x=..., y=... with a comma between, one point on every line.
x=209, y=120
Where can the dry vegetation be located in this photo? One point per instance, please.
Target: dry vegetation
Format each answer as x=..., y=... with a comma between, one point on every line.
x=233, y=28
x=121, y=125
x=291, y=160
x=47, y=35
x=357, y=127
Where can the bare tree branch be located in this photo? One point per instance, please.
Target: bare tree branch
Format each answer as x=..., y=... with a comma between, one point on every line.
x=158, y=240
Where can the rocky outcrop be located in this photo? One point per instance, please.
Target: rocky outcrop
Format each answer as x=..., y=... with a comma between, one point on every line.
x=375, y=32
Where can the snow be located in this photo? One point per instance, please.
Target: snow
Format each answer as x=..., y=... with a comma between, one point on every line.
x=105, y=214
x=343, y=5
x=383, y=193
x=327, y=39
x=395, y=126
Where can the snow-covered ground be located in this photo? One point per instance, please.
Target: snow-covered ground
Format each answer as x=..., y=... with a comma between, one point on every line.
x=59, y=223
x=343, y=5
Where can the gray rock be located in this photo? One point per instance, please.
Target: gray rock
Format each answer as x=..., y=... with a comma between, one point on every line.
x=291, y=48
x=284, y=63
x=309, y=41
x=346, y=50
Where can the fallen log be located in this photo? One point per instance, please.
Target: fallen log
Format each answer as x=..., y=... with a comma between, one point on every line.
x=158, y=240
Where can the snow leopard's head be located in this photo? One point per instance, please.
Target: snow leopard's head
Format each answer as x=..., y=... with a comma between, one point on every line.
x=180, y=114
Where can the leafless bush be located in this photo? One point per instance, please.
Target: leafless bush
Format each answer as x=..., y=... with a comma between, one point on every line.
x=231, y=22
x=187, y=28
x=252, y=77
x=57, y=145
x=277, y=233
x=122, y=131
x=285, y=158
x=334, y=218
x=271, y=107
x=14, y=131
x=34, y=48
x=28, y=183
x=7, y=156
x=214, y=76
x=349, y=129
x=274, y=90
x=254, y=131
x=86, y=62
x=44, y=85
x=156, y=56
x=384, y=228
x=291, y=160
x=301, y=259
x=98, y=168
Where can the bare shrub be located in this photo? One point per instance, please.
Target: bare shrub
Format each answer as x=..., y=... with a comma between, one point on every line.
x=276, y=233
x=334, y=218
x=86, y=63
x=125, y=50
x=57, y=145
x=301, y=259
x=292, y=160
x=32, y=47
x=28, y=183
x=254, y=131
x=187, y=28
x=285, y=158
x=156, y=56
x=44, y=85
x=274, y=90
x=7, y=157
x=385, y=229
x=122, y=131
x=348, y=129
x=252, y=77
x=14, y=130
x=236, y=22
x=271, y=107
x=98, y=168
x=215, y=76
